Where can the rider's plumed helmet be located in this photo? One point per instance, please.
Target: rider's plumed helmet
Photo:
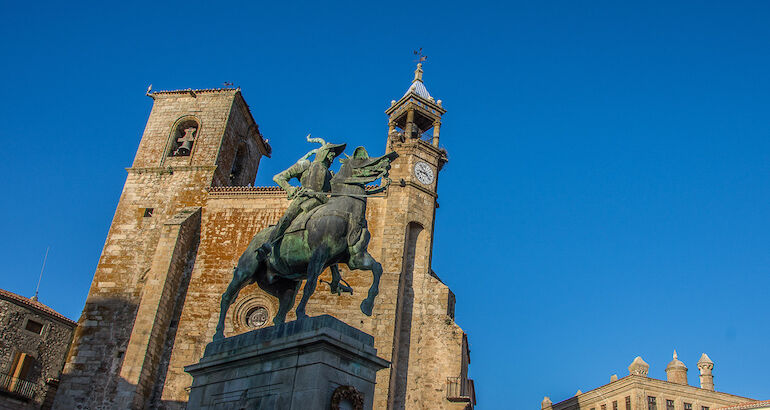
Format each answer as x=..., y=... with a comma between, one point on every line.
x=326, y=148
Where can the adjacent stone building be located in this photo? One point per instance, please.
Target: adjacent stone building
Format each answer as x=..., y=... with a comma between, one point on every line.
x=637, y=391
x=33, y=344
x=187, y=212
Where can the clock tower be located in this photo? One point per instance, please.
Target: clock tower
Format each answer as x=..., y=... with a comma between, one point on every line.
x=424, y=328
x=414, y=126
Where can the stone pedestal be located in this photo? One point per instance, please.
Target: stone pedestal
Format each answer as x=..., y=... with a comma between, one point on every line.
x=305, y=364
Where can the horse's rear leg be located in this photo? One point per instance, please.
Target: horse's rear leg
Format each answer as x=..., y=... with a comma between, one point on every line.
x=241, y=278
x=314, y=268
x=364, y=261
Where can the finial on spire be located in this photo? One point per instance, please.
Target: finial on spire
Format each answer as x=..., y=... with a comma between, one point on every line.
x=675, y=355
x=420, y=58
x=418, y=73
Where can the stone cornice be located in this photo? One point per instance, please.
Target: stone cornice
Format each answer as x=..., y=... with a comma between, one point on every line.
x=405, y=99
x=253, y=191
x=241, y=191
x=421, y=188
x=170, y=169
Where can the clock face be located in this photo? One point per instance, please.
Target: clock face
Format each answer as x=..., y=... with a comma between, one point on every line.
x=423, y=172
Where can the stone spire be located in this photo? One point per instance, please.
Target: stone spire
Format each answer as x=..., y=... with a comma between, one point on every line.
x=546, y=404
x=418, y=87
x=639, y=367
x=676, y=371
x=705, y=365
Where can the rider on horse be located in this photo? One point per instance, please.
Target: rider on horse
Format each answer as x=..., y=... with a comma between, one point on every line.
x=314, y=178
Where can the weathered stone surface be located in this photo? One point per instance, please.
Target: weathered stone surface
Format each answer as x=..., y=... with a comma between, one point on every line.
x=295, y=365
x=412, y=323
x=45, y=351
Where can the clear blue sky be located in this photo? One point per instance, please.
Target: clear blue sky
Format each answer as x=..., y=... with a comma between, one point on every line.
x=608, y=190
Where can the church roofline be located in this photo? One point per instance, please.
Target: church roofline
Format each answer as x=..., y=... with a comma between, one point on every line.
x=196, y=91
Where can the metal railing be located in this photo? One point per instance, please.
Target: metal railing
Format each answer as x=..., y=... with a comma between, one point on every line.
x=460, y=389
x=17, y=386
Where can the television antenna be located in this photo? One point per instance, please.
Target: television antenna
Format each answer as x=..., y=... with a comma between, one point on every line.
x=41, y=273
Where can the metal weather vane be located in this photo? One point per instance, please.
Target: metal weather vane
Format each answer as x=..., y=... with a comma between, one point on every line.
x=420, y=56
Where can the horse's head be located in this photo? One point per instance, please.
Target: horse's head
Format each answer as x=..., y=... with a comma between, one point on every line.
x=360, y=169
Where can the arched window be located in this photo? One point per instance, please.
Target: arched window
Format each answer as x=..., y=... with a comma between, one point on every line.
x=183, y=137
x=239, y=165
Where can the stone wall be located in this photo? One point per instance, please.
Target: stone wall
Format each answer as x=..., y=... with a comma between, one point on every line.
x=47, y=348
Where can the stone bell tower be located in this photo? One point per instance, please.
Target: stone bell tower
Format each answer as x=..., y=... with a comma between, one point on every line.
x=194, y=140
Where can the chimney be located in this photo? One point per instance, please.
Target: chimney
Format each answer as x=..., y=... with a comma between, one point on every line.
x=638, y=367
x=705, y=365
x=676, y=371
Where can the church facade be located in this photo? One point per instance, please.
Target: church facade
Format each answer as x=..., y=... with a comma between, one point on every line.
x=187, y=212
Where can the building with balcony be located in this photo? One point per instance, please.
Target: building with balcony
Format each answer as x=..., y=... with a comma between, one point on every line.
x=34, y=340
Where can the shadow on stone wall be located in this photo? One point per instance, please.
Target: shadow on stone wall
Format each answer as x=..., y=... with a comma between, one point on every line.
x=90, y=376
x=154, y=401
x=402, y=343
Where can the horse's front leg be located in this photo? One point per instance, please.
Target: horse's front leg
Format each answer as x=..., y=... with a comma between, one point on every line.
x=242, y=276
x=364, y=261
x=314, y=268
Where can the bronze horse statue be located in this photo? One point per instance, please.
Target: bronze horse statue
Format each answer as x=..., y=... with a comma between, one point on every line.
x=332, y=233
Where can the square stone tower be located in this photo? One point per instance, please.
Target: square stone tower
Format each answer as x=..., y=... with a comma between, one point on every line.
x=194, y=139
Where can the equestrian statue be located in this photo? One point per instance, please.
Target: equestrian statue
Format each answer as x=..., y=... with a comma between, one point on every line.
x=324, y=225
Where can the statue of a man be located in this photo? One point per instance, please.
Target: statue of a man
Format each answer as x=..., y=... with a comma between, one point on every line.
x=314, y=177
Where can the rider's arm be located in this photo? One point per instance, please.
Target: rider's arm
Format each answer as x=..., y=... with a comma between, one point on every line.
x=295, y=171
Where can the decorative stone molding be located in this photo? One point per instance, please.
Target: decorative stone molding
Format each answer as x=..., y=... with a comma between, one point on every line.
x=252, y=312
x=347, y=393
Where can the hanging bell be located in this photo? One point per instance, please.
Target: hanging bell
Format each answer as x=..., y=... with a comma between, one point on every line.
x=187, y=142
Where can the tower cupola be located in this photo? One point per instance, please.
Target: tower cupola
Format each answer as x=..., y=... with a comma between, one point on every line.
x=676, y=371
x=705, y=365
x=415, y=113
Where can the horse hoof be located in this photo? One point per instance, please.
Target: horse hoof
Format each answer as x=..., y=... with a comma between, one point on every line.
x=302, y=316
x=366, y=308
x=219, y=336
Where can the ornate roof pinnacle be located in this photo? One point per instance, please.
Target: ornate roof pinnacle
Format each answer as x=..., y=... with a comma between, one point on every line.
x=705, y=362
x=676, y=363
x=418, y=73
x=639, y=367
